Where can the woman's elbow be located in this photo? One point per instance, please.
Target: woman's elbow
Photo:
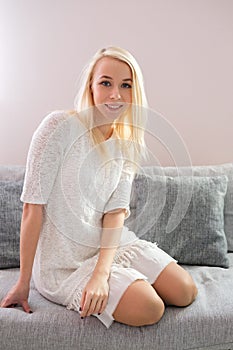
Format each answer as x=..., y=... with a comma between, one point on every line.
x=32, y=209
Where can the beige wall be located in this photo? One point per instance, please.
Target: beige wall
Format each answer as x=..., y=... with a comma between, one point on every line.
x=185, y=49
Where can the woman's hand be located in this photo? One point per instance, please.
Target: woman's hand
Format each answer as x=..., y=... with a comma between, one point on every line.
x=95, y=295
x=18, y=295
x=31, y=223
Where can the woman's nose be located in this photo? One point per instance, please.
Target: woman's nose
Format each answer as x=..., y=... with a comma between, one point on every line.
x=115, y=93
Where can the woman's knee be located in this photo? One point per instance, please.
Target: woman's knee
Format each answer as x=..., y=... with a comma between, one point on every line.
x=154, y=311
x=140, y=305
x=188, y=293
x=175, y=286
x=151, y=312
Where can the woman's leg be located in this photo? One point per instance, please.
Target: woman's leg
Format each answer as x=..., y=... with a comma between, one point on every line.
x=175, y=286
x=140, y=305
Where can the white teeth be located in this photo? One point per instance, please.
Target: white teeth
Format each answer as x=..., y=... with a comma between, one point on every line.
x=113, y=106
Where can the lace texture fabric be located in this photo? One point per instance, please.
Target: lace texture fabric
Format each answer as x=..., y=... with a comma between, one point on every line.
x=66, y=174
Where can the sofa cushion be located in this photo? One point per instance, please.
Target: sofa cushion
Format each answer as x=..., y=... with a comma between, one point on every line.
x=10, y=221
x=205, y=170
x=194, y=234
x=205, y=324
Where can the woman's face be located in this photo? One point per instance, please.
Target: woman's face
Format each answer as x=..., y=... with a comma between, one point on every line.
x=111, y=86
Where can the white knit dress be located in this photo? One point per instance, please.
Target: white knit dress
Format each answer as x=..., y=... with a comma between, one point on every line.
x=66, y=174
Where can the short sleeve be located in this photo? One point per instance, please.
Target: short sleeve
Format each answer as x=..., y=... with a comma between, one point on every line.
x=44, y=159
x=120, y=198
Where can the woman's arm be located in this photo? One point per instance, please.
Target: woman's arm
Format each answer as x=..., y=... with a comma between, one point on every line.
x=31, y=223
x=95, y=295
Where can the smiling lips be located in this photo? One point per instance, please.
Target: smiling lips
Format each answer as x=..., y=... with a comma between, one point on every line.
x=114, y=107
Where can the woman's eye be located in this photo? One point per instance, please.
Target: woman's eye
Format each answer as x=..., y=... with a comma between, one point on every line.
x=126, y=85
x=105, y=83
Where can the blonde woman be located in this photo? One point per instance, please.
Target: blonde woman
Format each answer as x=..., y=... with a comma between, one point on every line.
x=76, y=197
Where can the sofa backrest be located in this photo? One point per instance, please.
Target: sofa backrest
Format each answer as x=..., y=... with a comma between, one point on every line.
x=12, y=172
x=17, y=172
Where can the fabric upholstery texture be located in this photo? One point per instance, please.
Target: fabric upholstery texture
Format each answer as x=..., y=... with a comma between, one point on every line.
x=205, y=170
x=10, y=220
x=197, y=237
x=206, y=324
x=12, y=172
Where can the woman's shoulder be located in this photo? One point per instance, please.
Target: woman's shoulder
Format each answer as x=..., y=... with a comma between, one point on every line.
x=58, y=119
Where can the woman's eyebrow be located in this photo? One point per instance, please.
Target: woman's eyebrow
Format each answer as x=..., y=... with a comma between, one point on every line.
x=107, y=77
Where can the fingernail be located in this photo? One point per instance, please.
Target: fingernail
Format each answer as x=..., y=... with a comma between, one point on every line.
x=99, y=313
x=80, y=309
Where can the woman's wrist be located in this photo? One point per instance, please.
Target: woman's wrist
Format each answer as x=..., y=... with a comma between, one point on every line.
x=25, y=280
x=101, y=272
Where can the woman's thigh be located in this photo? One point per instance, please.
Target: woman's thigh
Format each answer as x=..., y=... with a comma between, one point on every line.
x=175, y=286
x=140, y=305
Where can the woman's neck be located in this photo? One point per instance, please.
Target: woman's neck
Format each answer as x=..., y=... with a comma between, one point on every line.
x=106, y=130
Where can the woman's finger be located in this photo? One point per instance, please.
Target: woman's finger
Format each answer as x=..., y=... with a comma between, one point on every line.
x=86, y=304
x=7, y=303
x=82, y=301
x=103, y=306
x=98, y=306
x=26, y=307
x=2, y=304
x=93, y=306
x=89, y=305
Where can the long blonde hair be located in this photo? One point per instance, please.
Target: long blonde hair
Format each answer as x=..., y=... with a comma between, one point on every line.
x=130, y=126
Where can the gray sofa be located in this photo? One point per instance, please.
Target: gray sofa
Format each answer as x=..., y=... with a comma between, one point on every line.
x=206, y=324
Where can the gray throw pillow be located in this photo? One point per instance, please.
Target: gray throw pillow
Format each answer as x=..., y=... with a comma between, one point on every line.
x=10, y=220
x=205, y=170
x=196, y=233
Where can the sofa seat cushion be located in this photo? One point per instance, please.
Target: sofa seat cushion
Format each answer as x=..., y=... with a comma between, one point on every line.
x=206, y=324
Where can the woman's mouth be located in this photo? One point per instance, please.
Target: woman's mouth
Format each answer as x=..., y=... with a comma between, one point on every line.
x=113, y=107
